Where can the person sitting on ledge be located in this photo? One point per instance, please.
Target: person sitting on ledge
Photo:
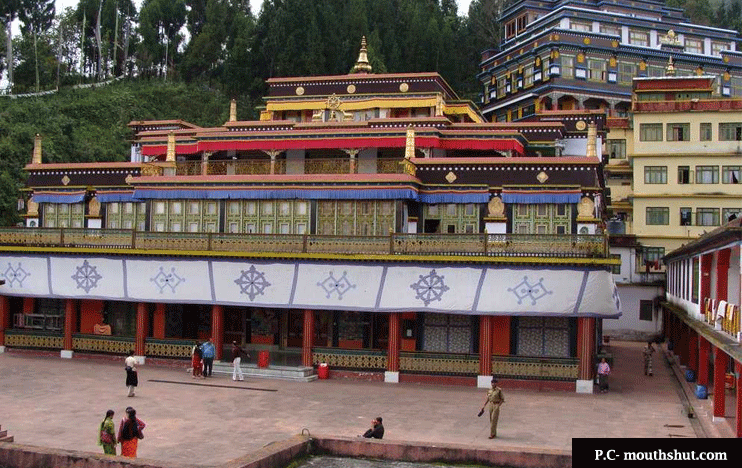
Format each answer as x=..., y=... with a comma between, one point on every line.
x=376, y=431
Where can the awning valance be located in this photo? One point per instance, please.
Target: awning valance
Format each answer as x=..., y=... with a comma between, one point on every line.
x=58, y=197
x=112, y=197
x=541, y=196
x=452, y=197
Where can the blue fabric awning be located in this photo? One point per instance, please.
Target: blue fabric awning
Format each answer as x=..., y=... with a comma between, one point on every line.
x=113, y=197
x=278, y=194
x=537, y=197
x=59, y=197
x=433, y=198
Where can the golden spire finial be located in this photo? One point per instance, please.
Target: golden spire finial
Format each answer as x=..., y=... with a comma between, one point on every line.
x=36, y=156
x=170, y=154
x=362, y=65
x=233, y=110
x=670, y=70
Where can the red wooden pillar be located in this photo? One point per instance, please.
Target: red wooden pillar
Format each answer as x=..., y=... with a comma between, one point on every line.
x=485, y=345
x=722, y=274
x=585, y=347
x=692, y=350
x=720, y=368
x=703, y=361
x=140, y=345
x=217, y=328
x=683, y=342
x=158, y=322
x=395, y=338
x=70, y=320
x=738, y=386
x=307, y=339
x=4, y=318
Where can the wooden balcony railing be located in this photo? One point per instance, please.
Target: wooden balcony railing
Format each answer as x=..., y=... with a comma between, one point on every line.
x=491, y=245
x=279, y=166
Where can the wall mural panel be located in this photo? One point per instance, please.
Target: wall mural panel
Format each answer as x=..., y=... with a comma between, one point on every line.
x=547, y=291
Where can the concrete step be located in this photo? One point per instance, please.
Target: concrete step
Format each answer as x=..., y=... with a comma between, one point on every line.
x=299, y=374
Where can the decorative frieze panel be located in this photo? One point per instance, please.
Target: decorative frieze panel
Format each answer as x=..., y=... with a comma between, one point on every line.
x=103, y=345
x=165, y=348
x=535, y=368
x=33, y=341
x=345, y=360
x=438, y=364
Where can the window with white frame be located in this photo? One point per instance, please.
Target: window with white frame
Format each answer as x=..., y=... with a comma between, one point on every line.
x=717, y=47
x=610, y=29
x=583, y=26
x=693, y=45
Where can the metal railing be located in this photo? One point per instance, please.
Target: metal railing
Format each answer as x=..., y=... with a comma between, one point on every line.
x=490, y=245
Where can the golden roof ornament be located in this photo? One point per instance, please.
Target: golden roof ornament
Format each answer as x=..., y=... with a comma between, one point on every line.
x=671, y=38
x=362, y=66
x=409, y=150
x=170, y=154
x=36, y=157
x=670, y=70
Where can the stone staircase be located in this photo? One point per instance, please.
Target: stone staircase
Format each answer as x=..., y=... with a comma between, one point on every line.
x=252, y=371
x=4, y=437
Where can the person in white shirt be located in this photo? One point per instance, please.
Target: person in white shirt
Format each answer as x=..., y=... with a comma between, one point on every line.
x=132, y=379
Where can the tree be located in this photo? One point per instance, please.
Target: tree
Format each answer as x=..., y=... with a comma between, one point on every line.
x=37, y=17
x=159, y=22
x=9, y=12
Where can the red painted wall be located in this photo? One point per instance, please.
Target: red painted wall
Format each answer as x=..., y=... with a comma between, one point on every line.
x=91, y=313
x=501, y=335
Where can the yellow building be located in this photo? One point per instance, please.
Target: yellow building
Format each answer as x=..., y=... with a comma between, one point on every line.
x=683, y=148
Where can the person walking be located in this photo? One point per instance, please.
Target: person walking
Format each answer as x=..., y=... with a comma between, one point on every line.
x=196, y=364
x=130, y=432
x=604, y=370
x=132, y=378
x=495, y=398
x=209, y=351
x=648, y=351
x=107, y=434
x=237, y=353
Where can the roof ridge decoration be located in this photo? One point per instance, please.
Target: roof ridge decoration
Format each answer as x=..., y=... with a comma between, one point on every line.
x=362, y=66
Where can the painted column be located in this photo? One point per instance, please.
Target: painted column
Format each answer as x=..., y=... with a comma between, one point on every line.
x=722, y=274
x=158, y=322
x=692, y=350
x=703, y=361
x=4, y=320
x=720, y=367
x=140, y=345
x=585, y=353
x=70, y=320
x=395, y=338
x=738, y=386
x=217, y=328
x=307, y=339
x=484, y=379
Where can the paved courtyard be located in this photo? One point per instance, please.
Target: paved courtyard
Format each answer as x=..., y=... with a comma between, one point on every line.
x=59, y=403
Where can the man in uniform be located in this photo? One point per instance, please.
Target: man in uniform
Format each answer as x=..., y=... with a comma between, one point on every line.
x=495, y=398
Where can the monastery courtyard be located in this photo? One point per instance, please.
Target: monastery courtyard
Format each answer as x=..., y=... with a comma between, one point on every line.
x=60, y=403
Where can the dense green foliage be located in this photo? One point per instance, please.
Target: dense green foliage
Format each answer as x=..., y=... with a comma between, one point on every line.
x=91, y=125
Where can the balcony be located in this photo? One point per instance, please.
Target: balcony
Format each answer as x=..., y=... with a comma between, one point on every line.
x=726, y=318
x=473, y=245
x=277, y=166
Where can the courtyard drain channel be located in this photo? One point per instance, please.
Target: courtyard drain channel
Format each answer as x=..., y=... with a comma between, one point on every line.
x=212, y=385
